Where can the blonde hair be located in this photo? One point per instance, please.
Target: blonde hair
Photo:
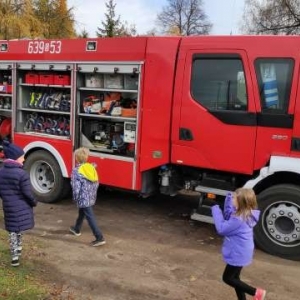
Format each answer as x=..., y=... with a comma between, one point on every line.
x=246, y=201
x=81, y=155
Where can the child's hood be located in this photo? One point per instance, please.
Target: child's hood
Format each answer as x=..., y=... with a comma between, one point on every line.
x=253, y=220
x=88, y=171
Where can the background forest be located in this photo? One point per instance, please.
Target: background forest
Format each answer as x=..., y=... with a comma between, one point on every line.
x=49, y=19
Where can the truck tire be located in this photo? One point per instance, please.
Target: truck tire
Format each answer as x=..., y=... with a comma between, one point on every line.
x=47, y=182
x=278, y=229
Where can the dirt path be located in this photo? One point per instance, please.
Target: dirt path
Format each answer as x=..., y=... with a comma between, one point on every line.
x=153, y=252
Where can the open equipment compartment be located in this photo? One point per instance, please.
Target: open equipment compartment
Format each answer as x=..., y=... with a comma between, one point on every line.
x=44, y=96
x=107, y=102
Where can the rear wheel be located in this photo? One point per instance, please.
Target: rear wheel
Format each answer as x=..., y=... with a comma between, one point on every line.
x=278, y=230
x=45, y=175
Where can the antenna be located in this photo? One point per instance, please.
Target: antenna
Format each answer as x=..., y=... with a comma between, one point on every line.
x=232, y=16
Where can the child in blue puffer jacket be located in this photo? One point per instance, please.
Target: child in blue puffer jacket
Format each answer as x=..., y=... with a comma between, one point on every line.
x=84, y=182
x=17, y=198
x=236, y=225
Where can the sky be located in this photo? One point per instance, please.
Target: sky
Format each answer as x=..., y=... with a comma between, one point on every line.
x=224, y=14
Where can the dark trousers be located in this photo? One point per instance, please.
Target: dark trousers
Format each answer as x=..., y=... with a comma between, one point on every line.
x=231, y=276
x=88, y=213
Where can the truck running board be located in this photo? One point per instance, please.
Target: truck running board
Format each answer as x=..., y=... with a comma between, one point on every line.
x=202, y=218
x=205, y=189
x=203, y=212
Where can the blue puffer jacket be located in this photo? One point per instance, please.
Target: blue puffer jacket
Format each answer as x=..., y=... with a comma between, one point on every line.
x=84, y=182
x=17, y=197
x=238, y=244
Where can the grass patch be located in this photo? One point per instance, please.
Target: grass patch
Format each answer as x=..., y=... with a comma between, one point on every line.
x=18, y=283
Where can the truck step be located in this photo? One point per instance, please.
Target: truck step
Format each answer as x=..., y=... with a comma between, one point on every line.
x=202, y=218
x=203, y=214
x=205, y=189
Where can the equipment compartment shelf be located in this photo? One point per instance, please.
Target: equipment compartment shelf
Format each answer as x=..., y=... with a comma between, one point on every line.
x=52, y=99
x=45, y=135
x=95, y=152
x=45, y=85
x=113, y=118
x=44, y=111
x=106, y=90
x=43, y=123
x=106, y=136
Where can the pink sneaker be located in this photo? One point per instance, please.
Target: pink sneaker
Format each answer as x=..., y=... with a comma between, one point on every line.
x=260, y=294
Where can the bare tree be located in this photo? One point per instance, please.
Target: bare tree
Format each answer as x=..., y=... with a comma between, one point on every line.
x=185, y=17
x=128, y=29
x=271, y=17
x=151, y=32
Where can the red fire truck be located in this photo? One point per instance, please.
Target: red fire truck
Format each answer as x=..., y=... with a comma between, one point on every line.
x=208, y=114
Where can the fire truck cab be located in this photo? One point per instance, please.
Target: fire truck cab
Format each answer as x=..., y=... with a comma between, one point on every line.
x=163, y=114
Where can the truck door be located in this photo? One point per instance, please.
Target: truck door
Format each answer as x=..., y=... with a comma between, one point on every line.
x=275, y=120
x=216, y=123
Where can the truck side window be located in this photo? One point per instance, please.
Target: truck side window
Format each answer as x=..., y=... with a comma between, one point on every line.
x=274, y=78
x=218, y=82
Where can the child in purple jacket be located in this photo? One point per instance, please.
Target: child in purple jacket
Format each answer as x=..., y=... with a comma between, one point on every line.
x=236, y=225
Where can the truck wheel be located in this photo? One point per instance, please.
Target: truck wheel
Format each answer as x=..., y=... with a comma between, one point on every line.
x=45, y=175
x=278, y=230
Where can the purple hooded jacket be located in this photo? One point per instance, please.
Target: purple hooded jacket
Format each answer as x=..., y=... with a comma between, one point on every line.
x=238, y=243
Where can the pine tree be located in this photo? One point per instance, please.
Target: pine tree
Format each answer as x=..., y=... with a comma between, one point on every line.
x=112, y=26
x=83, y=34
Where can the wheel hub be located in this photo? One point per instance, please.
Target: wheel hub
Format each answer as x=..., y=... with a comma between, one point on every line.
x=283, y=223
x=42, y=178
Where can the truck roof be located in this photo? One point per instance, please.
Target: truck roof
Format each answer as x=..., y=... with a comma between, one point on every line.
x=135, y=48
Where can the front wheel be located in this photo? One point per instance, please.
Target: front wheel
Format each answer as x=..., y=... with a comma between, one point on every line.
x=278, y=230
x=45, y=175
